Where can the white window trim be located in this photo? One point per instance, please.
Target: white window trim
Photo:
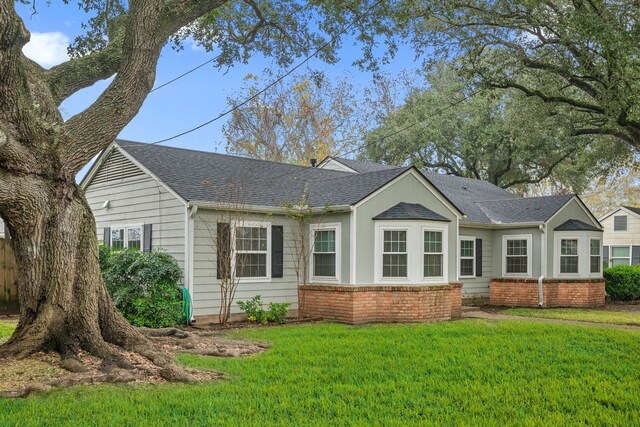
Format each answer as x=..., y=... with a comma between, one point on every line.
x=126, y=237
x=601, y=264
x=613, y=225
x=584, y=254
x=415, y=252
x=611, y=257
x=337, y=227
x=260, y=224
x=557, y=258
x=529, y=239
x=445, y=259
x=460, y=257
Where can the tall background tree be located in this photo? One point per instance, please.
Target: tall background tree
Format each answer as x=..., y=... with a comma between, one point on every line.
x=63, y=300
x=501, y=136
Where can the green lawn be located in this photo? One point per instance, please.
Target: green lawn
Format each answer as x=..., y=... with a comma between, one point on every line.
x=582, y=314
x=6, y=329
x=471, y=372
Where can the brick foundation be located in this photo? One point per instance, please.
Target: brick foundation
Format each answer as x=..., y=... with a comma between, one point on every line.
x=364, y=304
x=557, y=292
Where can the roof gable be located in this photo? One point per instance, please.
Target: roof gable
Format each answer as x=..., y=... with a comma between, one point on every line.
x=576, y=225
x=355, y=166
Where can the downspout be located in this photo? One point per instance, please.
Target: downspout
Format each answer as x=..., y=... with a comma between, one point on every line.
x=543, y=264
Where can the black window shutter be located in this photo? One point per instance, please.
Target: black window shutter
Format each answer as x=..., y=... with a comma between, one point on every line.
x=106, y=237
x=605, y=255
x=478, y=257
x=147, y=238
x=223, y=250
x=277, y=251
x=635, y=255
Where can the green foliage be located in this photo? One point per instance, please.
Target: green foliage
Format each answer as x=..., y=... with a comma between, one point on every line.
x=144, y=286
x=470, y=372
x=254, y=309
x=6, y=329
x=623, y=282
x=581, y=314
x=500, y=136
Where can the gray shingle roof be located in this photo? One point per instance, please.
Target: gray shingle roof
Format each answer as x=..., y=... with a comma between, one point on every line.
x=466, y=192
x=632, y=209
x=361, y=166
x=212, y=177
x=524, y=209
x=576, y=225
x=410, y=211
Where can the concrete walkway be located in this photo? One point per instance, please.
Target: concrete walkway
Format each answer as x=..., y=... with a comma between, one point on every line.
x=478, y=313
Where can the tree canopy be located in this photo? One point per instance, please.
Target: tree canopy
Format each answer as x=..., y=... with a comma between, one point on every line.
x=501, y=136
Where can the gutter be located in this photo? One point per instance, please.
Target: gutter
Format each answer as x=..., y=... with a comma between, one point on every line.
x=260, y=208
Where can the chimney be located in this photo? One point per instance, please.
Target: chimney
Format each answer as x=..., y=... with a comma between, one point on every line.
x=313, y=162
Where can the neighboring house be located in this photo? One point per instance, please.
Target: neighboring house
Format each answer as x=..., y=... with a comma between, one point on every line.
x=388, y=243
x=622, y=236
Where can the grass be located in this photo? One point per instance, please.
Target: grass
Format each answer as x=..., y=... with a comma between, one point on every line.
x=582, y=314
x=6, y=329
x=472, y=372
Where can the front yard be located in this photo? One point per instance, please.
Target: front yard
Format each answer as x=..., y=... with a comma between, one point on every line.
x=472, y=372
x=580, y=314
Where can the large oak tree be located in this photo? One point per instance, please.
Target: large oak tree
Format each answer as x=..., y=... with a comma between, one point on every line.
x=64, y=305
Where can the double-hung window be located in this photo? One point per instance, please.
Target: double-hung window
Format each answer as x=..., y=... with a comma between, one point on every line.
x=517, y=255
x=595, y=256
x=126, y=237
x=251, y=250
x=394, y=253
x=324, y=253
x=467, y=257
x=620, y=255
x=569, y=259
x=432, y=254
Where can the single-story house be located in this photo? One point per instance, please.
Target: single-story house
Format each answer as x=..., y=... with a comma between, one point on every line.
x=621, y=236
x=385, y=243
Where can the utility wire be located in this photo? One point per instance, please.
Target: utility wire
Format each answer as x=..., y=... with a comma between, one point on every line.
x=274, y=82
x=184, y=74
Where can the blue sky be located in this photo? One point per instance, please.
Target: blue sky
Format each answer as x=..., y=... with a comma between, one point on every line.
x=185, y=103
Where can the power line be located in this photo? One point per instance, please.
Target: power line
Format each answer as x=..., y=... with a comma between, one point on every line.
x=184, y=74
x=273, y=83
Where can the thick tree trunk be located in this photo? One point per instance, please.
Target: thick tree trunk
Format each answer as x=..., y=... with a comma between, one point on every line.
x=64, y=304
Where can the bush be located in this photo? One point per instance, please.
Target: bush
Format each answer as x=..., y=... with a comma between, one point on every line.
x=623, y=282
x=255, y=311
x=144, y=286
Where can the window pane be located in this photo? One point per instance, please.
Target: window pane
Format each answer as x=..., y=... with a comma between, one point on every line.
x=251, y=238
x=251, y=265
x=466, y=267
x=466, y=248
x=516, y=247
x=394, y=265
x=432, y=265
x=595, y=264
x=517, y=264
x=324, y=265
x=620, y=252
x=325, y=241
x=619, y=261
x=568, y=264
x=134, y=236
x=117, y=238
x=433, y=241
x=568, y=247
x=395, y=241
x=595, y=247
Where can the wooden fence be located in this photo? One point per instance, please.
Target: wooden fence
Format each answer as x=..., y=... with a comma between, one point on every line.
x=8, y=286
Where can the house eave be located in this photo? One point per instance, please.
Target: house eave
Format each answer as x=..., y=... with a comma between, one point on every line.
x=263, y=209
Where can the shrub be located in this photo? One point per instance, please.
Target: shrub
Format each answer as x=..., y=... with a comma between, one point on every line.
x=255, y=311
x=144, y=286
x=623, y=282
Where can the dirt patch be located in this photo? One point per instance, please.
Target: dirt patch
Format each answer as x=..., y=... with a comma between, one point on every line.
x=46, y=371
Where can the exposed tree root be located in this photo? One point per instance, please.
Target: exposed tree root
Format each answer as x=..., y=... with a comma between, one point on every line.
x=108, y=363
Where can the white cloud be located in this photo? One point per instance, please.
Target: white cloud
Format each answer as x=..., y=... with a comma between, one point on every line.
x=47, y=49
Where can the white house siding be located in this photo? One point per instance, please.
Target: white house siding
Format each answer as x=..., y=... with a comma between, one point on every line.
x=141, y=200
x=206, y=292
x=629, y=237
x=474, y=287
